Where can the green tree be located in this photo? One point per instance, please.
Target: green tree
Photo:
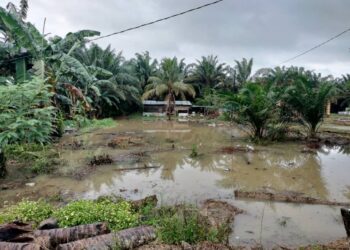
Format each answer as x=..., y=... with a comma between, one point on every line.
x=143, y=67
x=243, y=70
x=169, y=85
x=206, y=73
x=309, y=102
x=115, y=89
x=254, y=107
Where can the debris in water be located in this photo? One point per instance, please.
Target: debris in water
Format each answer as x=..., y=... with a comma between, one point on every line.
x=234, y=149
x=125, y=141
x=287, y=196
x=101, y=160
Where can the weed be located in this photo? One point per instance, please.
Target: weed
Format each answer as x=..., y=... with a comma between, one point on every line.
x=118, y=215
x=27, y=211
x=194, y=152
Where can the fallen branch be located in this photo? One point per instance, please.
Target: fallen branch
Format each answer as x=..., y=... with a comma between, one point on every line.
x=292, y=197
x=144, y=167
x=125, y=239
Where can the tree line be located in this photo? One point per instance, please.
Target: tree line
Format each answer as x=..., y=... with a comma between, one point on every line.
x=45, y=80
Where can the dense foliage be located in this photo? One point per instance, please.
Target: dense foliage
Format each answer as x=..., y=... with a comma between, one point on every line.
x=80, y=79
x=26, y=114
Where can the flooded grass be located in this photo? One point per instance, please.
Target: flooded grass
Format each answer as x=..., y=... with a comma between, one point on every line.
x=226, y=162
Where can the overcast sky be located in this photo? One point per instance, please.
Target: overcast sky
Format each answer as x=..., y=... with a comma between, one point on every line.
x=270, y=31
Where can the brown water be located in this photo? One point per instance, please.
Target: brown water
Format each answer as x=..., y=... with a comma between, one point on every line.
x=180, y=178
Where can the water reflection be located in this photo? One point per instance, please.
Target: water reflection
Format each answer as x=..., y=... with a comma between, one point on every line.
x=324, y=174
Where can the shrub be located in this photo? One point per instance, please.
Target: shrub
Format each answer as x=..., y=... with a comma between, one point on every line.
x=194, y=151
x=26, y=114
x=27, y=211
x=118, y=215
x=181, y=223
x=253, y=107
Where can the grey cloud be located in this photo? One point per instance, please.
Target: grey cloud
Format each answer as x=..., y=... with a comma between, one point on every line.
x=270, y=31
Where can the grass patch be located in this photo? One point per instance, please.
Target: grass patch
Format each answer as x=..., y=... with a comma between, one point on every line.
x=119, y=215
x=86, y=125
x=27, y=211
x=41, y=159
x=181, y=223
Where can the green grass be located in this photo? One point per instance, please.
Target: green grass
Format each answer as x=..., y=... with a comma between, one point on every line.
x=97, y=124
x=181, y=223
x=119, y=215
x=38, y=158
x=87, y=125
x=27, y=211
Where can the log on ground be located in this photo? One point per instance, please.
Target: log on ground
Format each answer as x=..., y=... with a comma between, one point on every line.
x=65, y=235
x=20, y=246
x=125, y=239
x=12, y=230
x=288, y=196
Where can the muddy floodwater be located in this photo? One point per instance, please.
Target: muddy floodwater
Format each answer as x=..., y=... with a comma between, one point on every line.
x=154, y=158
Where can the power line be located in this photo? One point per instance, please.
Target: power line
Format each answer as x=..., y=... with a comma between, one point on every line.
x=317, y=46
x=157, y=21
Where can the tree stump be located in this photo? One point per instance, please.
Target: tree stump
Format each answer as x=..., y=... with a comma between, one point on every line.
x=3, y=171
x=345, y=212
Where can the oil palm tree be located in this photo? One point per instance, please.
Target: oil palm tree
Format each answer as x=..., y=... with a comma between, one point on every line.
x=309, y=101
x=169, y=85
x=114, y=90
x=143, y=67
x=243, y=70
x=253, y=107
x=206, y=73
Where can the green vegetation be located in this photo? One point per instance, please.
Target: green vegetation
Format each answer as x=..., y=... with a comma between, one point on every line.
x=168, y=85
x=119, y=215
x=194, y=151
x=253, y=107
x=174, y=224
x=26, y=115
x=89, y=125
x=181, y=223
x=37, y=158
x=27, y=211
x=69, y=82
x=309, y=103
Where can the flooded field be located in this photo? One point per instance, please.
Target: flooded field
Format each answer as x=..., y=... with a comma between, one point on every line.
x=154, y=158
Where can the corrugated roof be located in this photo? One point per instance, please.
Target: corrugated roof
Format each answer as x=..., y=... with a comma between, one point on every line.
x=178, y=103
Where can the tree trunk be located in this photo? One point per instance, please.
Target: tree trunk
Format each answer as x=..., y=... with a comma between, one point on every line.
x=12, y=230
x=170, y=105
x=3, y=171
x=126, y=239
x=65, y=235
x=345, y=212
x=19, y=246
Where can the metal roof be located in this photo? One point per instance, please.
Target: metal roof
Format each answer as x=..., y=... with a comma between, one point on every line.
x=178, y=103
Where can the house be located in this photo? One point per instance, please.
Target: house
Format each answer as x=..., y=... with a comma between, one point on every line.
x=158, y=108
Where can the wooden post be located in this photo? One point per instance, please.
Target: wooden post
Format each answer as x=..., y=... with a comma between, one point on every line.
x=345, y=212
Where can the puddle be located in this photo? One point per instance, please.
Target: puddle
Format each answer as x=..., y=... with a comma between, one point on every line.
x=179, y=178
